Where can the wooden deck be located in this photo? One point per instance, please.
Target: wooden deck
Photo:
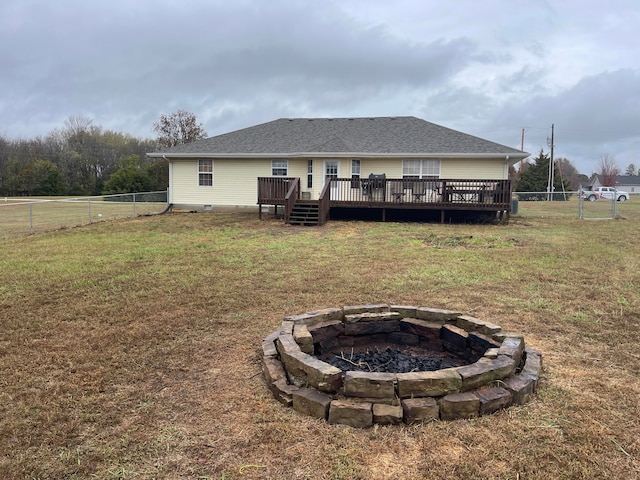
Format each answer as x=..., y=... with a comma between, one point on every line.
x=443, y=195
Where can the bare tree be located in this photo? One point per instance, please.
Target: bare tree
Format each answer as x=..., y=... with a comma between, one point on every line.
x=178, y=128
x=608, y=170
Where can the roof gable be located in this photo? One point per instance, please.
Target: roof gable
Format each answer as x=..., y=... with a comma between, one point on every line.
x=356, y=136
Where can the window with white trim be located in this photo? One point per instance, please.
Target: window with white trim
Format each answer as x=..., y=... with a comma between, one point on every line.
x=279, y=167
x=428, y=168
x=205, y=173
x=310, y=173
x=355, y=173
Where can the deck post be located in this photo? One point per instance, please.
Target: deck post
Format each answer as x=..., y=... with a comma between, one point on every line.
x=384, y=214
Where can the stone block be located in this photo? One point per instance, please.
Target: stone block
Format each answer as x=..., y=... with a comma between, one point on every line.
x=436, y=315
x=287, y=327
x=325, y=330
x=532, y=367
x=327, y=346
x=493, y=399
x=287, y=344
x=283, y=392
x=303, y=338
x=492, y=353
x=512, y=347
x=473, y=324
x=269, y=344
x=416, y=410
x=317, y=316
x=370, y=328
x=364, y=340
x=428, y=384
x=354, y=414
x=315, y=372
x=459, y=405
x=521, y=388
x=273, y=370
x=371, y=317
x=403, y=338
x=405, y=311
x=369, y=384
x=372, y=308
x=485, y=370
x=310, y=401
x=387, y=414
x=422, y=328
x=454, y=336
x=500, y=336
x=481, y=343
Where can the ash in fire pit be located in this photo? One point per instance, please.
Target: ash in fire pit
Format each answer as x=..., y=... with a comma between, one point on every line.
x=360, y=365
x=393, y=360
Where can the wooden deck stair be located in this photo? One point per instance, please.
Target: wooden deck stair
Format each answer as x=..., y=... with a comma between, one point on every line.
x=305, y=213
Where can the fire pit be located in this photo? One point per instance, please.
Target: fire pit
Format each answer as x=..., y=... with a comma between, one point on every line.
x=386, y=364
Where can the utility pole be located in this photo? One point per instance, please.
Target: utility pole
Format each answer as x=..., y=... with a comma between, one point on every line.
x=551, y=169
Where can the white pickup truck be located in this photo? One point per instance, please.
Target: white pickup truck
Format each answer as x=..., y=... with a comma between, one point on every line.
x=604, y=192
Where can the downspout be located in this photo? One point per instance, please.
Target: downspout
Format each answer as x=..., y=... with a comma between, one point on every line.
x=169, y=189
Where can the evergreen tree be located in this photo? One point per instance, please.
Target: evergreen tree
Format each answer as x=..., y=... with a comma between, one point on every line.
x=536, y=179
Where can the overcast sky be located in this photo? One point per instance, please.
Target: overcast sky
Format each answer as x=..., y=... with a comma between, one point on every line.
x=489, y=68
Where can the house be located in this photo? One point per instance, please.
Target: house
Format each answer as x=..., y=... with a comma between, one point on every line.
x=628, y=183
x=320, y=165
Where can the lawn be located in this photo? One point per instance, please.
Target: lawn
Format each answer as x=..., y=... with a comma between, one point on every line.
x=130, y=349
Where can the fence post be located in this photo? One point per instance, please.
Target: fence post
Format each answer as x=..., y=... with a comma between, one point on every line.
x=134, y=204
x=30, y=218
x=580, y=204
x=89, y=207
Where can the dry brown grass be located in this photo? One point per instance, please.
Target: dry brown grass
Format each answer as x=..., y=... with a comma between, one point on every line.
x=130, y=349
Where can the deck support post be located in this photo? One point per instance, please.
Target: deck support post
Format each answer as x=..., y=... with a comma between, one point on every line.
x=384, y=214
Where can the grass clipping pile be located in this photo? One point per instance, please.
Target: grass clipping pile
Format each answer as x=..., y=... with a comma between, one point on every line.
x=503, y=372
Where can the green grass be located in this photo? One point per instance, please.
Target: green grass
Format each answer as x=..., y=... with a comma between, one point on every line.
x=129, y=348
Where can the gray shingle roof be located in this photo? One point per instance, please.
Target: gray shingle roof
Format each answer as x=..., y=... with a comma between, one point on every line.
x=373, y=135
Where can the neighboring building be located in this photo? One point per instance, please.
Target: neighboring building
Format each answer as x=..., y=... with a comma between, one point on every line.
x=412, y=158
x=628, y=183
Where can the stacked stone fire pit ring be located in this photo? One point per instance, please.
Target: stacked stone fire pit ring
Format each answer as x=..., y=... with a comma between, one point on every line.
x=496, y=369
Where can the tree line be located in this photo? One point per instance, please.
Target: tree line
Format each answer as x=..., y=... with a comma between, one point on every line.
x=82, y=159
x=533, y=175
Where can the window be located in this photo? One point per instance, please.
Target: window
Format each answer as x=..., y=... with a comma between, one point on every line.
x=279, y=168
x=310, y=173
x=421, y=168
x=205, y=173
x=355, y=173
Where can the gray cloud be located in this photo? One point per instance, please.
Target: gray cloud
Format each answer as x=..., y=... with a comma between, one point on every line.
x=488, y=69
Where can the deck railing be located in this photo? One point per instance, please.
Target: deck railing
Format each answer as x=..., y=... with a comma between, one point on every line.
x=433, y=193
x=293, y=194
x=272, y=190
x=420, y=192
x=324, y=203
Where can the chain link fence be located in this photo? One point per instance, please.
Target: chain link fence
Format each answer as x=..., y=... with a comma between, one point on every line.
x=25, y=216
x=572, y=205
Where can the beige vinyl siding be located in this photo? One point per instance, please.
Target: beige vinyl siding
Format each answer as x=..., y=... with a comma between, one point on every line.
x=473, y=168
x=234, y=182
